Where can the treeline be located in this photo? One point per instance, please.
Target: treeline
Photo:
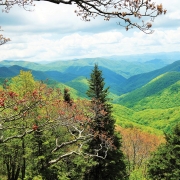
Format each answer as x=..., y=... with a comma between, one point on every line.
x=45, y=134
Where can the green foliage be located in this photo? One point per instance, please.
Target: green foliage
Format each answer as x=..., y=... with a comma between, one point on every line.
x=23, y=83
x=34, y=120
x=11, y=156
x=165, y=162
x=137, y=174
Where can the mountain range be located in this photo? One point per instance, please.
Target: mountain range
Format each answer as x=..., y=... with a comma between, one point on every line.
x=145, y=94
x=65, y=72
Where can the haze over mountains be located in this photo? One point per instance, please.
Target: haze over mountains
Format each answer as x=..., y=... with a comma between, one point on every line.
x=121, y=76
x=124, y=65
x=146, y=93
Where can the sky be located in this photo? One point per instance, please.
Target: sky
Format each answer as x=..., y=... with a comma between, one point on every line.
x=50, y=32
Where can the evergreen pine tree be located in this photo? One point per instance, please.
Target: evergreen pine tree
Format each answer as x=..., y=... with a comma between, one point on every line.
x=165, y=162
x=113, y=167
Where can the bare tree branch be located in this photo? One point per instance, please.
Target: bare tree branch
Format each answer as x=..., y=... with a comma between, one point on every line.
x=128, y=12
x=3, y=40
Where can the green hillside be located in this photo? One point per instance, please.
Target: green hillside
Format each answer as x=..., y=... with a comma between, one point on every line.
x=151, y=120
x=80, y=84
x=73, y=92
x=154, y=88
x=127, y=117
x=140, y=80
x=161, y=119
x=168, y=98
x=156, y=105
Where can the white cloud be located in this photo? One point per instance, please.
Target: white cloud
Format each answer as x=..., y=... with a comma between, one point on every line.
x=53, y=32
x=36, y=47
x=174, y=15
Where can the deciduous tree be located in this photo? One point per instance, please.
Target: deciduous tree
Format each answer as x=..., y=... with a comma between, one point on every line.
x=137, y=146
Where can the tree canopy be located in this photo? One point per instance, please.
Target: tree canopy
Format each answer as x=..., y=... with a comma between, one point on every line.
x=165, y=162
x=39, y=129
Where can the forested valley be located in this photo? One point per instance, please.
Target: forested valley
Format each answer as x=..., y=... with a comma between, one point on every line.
x=114, y=117
x=87, y=121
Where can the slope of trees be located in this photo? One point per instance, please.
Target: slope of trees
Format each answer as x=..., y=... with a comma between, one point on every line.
x=113, y=167
x=141, y=79
x=155, y=105
x=154, y=88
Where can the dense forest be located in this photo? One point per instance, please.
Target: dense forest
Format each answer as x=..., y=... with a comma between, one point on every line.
x=80, y=128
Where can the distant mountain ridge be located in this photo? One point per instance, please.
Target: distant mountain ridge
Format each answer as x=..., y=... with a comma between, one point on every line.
x=7, y=72
x=121, y=67
x=118, y=84
x=112, y=79
x=140, y=80
x=168, y=57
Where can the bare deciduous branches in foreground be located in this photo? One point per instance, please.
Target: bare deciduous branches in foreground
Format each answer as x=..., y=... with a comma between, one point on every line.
x=42, y=112
x=129, y=13
x=3, y=40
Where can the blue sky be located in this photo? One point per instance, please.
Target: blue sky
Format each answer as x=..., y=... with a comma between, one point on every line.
x=53, y=32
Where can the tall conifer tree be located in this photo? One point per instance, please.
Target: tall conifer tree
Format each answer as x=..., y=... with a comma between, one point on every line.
x=113, y=166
